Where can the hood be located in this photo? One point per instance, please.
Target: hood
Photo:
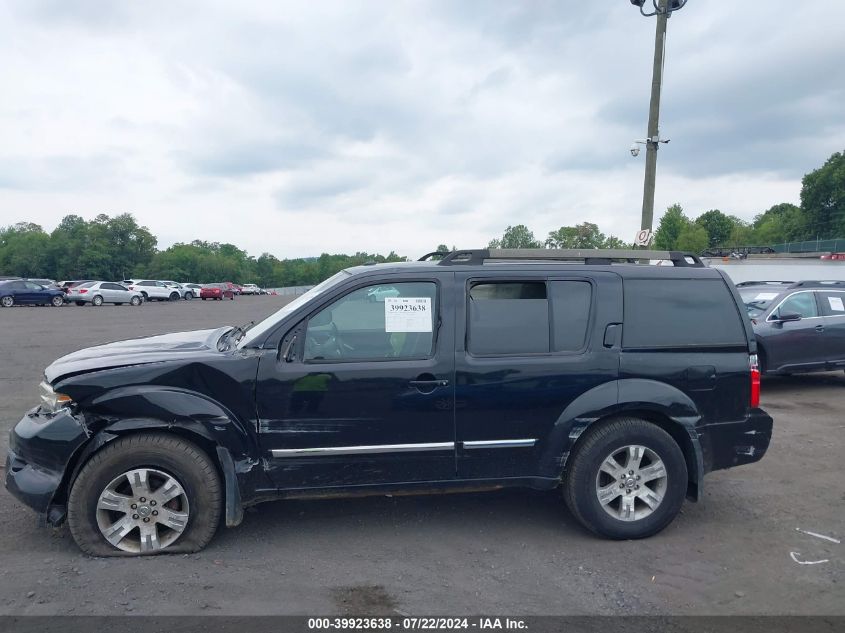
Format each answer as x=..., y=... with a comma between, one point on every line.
x=140, y=351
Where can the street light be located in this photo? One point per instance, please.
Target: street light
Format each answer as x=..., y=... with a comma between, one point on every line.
x=662, y=9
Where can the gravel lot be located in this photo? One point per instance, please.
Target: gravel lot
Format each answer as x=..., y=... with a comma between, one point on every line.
x=503, y=553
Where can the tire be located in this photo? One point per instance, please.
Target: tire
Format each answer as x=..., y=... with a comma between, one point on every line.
x=145, y=296
x=203, y=298
x=57, y=301
x=164, y=458
x=175, y=296
x=233, y=297
x=97, y=301
x=135, y=301
x=189, y=296
x=587, y=473
x=8, y=301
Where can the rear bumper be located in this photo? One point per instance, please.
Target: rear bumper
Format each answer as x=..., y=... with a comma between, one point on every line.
x=730, y=444
x=40, y=448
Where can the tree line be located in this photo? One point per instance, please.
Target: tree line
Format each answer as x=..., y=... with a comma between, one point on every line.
x=115, y=248
x=821, y=215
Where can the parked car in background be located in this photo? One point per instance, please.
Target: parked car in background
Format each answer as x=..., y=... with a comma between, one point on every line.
x=67, y=285
x=380, y=293
x=151, y=289
x=99, y=292
x=184, y=292
x=23, y=292
x=250, y=289
x=193, y=288
x=217, y=291
x=799, y=326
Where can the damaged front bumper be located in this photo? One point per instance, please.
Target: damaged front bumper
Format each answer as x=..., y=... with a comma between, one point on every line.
x=729, y=444
x=41, y=446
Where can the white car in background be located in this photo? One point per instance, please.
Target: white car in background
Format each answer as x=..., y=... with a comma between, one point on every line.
x=151, y=289
x=184, y=292
x=192, y=288
x=250, y=289
x=99, y=292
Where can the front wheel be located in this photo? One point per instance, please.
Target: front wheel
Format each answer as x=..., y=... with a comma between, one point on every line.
x=174, y=296
x=627, y=479
x=57, y=301
x=189, y=296
x=145, y=494
x=145, y=296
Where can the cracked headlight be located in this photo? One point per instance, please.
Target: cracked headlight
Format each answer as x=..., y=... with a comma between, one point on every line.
x=52, y=401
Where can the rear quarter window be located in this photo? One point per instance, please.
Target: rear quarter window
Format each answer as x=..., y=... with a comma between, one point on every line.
x=680, y=313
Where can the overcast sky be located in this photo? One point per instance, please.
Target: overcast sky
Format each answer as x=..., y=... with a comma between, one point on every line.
x=299, y=128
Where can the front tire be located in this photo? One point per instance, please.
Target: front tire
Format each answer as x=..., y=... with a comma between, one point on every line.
x=189, y=296
x=627, y=479
x=135, y=301
x=174, y=296
x=159, y=477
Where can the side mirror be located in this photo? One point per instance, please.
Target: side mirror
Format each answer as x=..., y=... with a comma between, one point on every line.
x=789, y=316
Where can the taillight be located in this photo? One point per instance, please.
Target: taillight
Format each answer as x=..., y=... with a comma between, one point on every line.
x=82, y=291
x=755, y=380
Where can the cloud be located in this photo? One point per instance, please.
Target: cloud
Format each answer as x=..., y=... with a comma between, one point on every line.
x=334, y=126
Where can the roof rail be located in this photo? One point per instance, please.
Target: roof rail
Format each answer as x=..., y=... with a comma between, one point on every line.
x=743, y=284
x=823, y=282
x=432, y=255
x=603, y=256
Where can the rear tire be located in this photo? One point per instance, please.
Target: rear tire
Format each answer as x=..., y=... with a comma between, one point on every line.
x=97, y=301
x=189, y=296
x=96, y=505
x=57, y=301
x=624, y=505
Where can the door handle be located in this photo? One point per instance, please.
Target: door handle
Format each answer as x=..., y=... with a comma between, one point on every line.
x=429, y=383
x=819, y=328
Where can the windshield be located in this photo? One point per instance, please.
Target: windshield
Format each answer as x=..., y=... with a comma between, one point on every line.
x=757, y=300
x=259, y=330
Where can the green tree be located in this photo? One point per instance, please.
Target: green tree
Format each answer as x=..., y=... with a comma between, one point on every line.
x=518, y=236
x=823, y=199
x=615, y=242
x=718, y=226
x=693, y=238
x=783, y=222
x=669, y=230
x=584, y=235
x=24, y=250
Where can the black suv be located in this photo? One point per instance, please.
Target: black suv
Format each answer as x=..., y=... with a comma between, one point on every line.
x=621, y=383
x=799, y=326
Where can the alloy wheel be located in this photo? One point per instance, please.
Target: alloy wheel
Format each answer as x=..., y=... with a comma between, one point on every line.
x=142, y=510
x=631, y=483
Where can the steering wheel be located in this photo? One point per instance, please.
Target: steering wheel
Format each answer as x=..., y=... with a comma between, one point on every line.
x=324, y=344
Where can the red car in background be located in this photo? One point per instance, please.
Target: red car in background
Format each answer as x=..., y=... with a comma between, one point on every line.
x=217, y=291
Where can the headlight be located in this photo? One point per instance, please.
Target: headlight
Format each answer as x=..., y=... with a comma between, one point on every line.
x=52, y=401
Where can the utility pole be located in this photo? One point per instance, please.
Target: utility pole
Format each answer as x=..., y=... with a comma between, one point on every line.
x=652, y=141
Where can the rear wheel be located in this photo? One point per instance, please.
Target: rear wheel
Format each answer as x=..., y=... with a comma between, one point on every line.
x=189, y=296
x=57, y=301
x=627, y=479
x=174, y=296
x=145, y=296
x=97, y=301
x=135, y=301
x=145, y=494
x=7, y=301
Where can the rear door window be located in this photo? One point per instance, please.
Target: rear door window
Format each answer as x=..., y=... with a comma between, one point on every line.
x=680, y=313
x=832, y=303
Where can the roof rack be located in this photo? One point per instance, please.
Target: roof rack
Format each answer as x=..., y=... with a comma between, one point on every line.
x=744, y=284
x=604, y=256
x=432, y=255
x=824, y=282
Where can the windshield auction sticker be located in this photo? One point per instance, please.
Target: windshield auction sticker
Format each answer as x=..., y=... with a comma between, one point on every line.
x=407, y=314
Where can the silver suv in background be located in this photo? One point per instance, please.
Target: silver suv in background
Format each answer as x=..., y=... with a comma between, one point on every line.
x=99, y=292
x=151, y=289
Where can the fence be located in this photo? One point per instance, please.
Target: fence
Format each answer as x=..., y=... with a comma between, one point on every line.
x=812, y=246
